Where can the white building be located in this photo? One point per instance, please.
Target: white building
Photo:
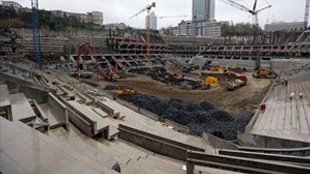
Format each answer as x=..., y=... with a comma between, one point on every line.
x=185, y=28
x=212, y=29
x=206, y=29
x=95, y=17
x=284, y=26
x=11, y=4
x=153, y=21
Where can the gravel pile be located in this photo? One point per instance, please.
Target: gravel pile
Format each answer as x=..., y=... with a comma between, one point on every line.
x=198, y=117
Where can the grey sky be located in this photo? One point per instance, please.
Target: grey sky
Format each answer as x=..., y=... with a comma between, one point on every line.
x=117, y=11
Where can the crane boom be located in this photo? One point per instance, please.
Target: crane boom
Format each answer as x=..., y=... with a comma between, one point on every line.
x=148, y=7
x=236, y=5
x=253, y=12
x=269, y=6
x=177, y=16
x=254, y=6
x=141, y=11
x=148, y=36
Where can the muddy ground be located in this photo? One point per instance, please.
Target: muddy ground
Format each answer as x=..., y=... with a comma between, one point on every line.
x=238, y=102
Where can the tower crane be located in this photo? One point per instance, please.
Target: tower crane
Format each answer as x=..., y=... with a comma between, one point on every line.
x=36, y=34
x=306, y=14
x=147, y=9
x=177, y=16
x=254, y=12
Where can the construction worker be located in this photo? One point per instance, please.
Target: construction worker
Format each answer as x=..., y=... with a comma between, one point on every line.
x=300, y=95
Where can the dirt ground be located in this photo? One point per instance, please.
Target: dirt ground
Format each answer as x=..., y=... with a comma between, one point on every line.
x=235, y=102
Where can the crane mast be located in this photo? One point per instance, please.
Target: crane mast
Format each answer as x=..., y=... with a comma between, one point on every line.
x=306, y=14
x=36, y=34
x=148, y=35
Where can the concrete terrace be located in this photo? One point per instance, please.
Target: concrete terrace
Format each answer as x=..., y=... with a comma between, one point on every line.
x=284, y=117
x=141, y=122
x=33, y=152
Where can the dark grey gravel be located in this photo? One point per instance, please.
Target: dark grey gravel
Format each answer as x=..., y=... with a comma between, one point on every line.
x=198, y=117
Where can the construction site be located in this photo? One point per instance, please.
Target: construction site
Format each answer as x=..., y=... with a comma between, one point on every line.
x=127, y=100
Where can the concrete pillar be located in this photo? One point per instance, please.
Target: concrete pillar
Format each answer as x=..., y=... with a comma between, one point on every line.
x=190, y=166
x=105, y=133
x=9, y=113
x=67, y=120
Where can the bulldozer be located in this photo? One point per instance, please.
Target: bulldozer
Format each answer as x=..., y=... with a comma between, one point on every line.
x=124, y=91
x=267, y=73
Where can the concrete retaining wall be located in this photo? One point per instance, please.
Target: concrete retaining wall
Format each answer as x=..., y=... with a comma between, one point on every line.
x=177, y=127
x=105, y=108
x=56, y=104
x=240, y=164
x=88, y=126
x=254, y=118
x=217, y=142
x=138, y=109
x=259, y=141
x=82, y=124
x=155, y=143
x=272, y=157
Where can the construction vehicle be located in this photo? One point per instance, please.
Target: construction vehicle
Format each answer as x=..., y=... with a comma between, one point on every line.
x=216, y=68
x=267, y=73
x=221, y=69
x=109, y=74
x=124, y=91
x=212, y=81
x=237, y=83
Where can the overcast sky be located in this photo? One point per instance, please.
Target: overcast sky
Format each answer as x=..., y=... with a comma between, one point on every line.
x=118, y=11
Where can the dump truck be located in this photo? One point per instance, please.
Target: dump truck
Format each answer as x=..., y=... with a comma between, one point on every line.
x=237, y=83
x=267, y=73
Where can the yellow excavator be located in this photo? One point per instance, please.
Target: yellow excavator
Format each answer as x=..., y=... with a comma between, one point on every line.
x=124, y=91
x=211, y=81
x=267, y=73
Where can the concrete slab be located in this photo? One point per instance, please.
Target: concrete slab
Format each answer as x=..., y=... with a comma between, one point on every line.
x=285, y=117
x=55, y=117
x=25, y=150
x=100, y=112
x=21, y=109
x=132, y=159
x=4, y=92
x=89, y=113
x=141, y=122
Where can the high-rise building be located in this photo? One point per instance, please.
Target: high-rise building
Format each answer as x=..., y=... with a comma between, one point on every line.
x=203, y=10
x=153, y=21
